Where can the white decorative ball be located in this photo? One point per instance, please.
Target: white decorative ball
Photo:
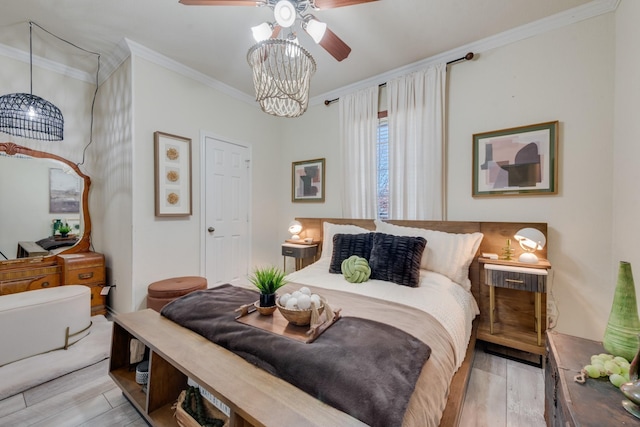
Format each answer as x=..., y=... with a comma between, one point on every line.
x=315, y=298
x=292, y=303
x=305, y=290
x=296, y=294
x=284, y=298
x=304, y=302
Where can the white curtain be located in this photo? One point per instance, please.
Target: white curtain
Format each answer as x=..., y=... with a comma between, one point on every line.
x=416, y=108
x=358, y=138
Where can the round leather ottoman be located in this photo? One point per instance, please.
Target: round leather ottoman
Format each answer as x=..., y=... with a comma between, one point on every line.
x=163, y=292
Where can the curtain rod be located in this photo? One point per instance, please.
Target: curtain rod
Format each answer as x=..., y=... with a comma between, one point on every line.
x=467, y=57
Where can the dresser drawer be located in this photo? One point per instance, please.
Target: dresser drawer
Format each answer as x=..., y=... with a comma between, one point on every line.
x=83, y=276
x=29, y=284
x=83, y=269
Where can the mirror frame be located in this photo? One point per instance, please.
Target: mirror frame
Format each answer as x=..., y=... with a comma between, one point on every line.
x=84, y=242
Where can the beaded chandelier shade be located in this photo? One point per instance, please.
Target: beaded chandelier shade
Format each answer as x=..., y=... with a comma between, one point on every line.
x=29, y=116
x=282, y=73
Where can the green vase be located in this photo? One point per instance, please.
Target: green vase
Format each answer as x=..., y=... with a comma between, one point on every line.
x=621, y=335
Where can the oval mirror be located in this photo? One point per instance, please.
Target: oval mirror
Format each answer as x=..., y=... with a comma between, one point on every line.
x=40, y=193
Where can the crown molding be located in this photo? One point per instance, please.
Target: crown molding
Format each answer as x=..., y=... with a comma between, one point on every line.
x=559, y=20
x=47, y=64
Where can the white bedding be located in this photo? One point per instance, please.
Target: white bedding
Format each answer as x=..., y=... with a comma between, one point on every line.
x=448, y=302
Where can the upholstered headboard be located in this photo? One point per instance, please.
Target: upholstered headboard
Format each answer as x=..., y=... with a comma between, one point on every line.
x=494, y=240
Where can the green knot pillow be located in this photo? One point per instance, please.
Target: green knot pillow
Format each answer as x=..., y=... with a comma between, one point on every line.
x=356, y=269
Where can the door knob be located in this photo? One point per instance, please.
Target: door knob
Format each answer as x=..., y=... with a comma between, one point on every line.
x=211, y=229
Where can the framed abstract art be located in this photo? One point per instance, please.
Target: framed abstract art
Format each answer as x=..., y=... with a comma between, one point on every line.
x=307, y=181
x=517, y=161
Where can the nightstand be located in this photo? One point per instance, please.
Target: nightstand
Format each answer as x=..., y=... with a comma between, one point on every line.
x=517, y=304
x=299, y=251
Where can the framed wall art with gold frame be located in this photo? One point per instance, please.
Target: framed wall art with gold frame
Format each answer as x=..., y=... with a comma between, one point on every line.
x=518, y=161
x=172, y=175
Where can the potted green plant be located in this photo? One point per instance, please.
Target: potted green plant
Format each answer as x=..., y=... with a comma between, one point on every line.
x=64, y=230
x=268, y=280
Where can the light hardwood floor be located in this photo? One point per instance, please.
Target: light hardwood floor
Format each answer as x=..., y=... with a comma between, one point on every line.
x=502, y=393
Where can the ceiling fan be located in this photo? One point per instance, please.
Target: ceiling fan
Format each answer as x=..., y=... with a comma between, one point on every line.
x=286, y=12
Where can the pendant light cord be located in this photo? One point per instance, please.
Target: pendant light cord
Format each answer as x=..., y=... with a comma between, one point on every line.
x=31, y=58
x=95, y=93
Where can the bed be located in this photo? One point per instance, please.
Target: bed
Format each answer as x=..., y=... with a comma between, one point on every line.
x=447, y=290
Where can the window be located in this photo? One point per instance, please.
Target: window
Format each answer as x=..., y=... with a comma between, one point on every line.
x=383, y=168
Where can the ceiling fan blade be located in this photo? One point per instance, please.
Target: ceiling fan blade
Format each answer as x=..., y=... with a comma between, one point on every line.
x=334, y=45
x=330, y=4
x=220, y=2
x=276, y=31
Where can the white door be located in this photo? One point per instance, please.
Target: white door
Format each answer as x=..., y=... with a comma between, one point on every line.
x=226, y=196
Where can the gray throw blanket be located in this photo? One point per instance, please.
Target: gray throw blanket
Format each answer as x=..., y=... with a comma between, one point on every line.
x=364, y=368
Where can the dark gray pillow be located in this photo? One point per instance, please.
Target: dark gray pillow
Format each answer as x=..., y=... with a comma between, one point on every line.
x=345, y=245
x=397, y=258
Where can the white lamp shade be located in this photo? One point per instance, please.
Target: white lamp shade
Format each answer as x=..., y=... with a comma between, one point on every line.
x=530, y=240
x=262, y=31
x=315, y=29
x=295, y=228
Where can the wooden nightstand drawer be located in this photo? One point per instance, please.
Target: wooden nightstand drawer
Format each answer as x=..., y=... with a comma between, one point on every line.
x=299, y=251
x=531, y=282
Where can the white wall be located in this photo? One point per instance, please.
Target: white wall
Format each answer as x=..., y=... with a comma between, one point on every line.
x=111, y=201
x=562, y=75
x=626, y=195
x=172, y=103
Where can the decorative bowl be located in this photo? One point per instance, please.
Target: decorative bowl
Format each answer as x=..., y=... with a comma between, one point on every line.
x=296, y=316
x=265, y=311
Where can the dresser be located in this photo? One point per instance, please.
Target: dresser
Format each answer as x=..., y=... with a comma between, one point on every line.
x=596, y=403
x=82, y=268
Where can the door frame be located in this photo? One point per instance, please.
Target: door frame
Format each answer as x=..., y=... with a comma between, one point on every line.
x=203, y=177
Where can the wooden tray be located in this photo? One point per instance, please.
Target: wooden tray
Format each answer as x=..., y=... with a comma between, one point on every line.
x=277, y=324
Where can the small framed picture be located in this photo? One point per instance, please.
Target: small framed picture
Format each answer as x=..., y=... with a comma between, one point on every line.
x=516, y=162
x=65, y=191
x=172, y=175
x=307, y=181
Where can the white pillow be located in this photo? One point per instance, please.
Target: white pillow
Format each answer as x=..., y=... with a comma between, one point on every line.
x=330, y=229
x=449, y=254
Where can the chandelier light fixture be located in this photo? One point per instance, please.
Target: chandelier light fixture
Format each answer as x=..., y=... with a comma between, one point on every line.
x=29, y=116
x=282, y=69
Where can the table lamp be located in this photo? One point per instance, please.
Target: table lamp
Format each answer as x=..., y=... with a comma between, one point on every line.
x=530, y=240
x=295, y=228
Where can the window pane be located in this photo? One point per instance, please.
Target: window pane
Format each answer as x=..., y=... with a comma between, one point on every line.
x=383, y=169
